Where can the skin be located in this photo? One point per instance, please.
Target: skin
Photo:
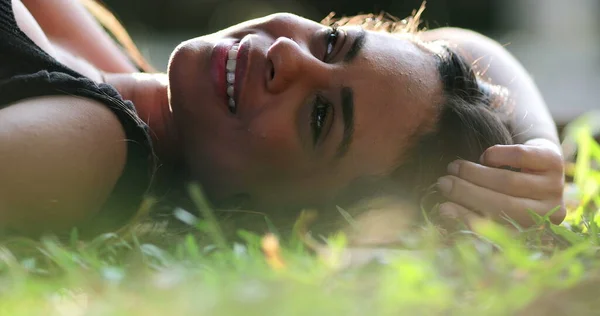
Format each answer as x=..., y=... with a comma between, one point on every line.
x=477, y=190
x=265, y=149
x=482, y=190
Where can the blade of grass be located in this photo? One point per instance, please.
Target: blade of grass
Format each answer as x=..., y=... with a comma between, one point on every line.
x=212, y=227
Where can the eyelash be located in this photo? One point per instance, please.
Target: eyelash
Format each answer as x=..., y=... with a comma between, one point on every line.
x=318, y=117
x=321, y=107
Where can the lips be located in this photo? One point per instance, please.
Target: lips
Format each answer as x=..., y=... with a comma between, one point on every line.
x=219, y=58
x=241, y=69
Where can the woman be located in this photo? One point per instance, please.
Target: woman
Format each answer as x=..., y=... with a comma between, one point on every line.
x=272, y=113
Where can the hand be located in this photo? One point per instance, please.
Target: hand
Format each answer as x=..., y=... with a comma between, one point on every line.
x=490, y=190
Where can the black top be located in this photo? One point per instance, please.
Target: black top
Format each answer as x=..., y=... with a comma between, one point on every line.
x=27, y=71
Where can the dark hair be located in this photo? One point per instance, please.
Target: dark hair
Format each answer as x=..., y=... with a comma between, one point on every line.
x=473, y=116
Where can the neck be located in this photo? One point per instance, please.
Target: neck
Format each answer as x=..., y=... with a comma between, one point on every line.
x=149, y=94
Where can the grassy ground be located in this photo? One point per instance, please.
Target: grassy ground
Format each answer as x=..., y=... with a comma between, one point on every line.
x=545, y=270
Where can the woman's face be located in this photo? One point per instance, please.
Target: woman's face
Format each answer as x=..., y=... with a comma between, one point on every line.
x=307, y=110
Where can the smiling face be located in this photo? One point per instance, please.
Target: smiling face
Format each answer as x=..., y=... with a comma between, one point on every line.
x=309, y=109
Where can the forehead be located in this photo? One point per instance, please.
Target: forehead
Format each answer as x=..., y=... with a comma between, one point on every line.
x=397, y=90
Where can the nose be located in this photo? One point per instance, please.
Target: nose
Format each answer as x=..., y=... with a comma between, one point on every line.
x=289, y=64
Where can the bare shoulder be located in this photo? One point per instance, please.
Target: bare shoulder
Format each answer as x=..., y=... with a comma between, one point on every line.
x=60, y=157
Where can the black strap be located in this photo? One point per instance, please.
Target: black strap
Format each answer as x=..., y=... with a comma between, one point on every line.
x=28, y=71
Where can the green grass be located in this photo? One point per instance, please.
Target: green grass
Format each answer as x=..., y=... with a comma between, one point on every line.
x=547, y=269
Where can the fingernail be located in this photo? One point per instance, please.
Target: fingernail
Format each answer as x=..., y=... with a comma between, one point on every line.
x=453, y=168
x=444, y=184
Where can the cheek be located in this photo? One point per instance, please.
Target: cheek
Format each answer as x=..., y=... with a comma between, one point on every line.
x=273, y=141
x=265, y=150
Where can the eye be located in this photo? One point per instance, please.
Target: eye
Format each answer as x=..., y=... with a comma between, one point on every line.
x=319, y=117
x=331, y=38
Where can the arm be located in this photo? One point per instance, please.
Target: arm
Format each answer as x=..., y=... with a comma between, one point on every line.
x=68, y=24
x=532, y=120
x=60, y=158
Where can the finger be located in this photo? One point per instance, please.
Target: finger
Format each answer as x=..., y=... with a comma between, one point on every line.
x=559, y=213
x=517, y=184
x=453, y=214
x=534, y=158
x=487, y=202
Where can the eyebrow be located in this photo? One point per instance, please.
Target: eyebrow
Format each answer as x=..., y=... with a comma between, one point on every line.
x=347, y=96
x=357, y=45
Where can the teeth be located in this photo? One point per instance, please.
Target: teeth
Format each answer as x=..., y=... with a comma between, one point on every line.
x=232, y=53
x=230, y=65
x=230, y=72
x=230, y=77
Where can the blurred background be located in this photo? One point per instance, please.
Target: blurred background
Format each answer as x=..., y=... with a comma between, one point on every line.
x=558, y=41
